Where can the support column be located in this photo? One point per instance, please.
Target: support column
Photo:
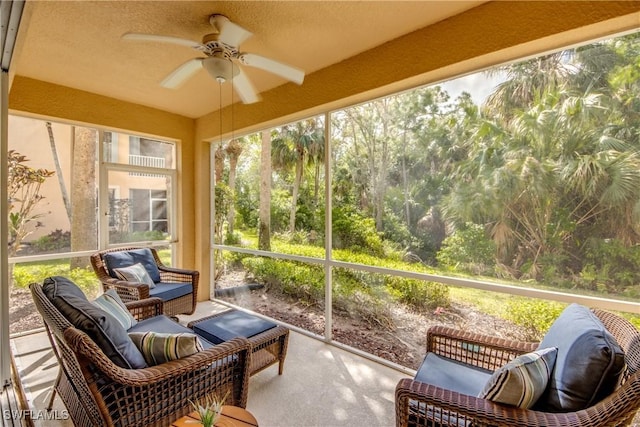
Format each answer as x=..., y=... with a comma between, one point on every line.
x=5, y=355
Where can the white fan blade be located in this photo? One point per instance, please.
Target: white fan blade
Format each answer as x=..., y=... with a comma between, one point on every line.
x=245, y=89
x=162, y=39
x=283, y=70
x=182, y=73
x=229, y=33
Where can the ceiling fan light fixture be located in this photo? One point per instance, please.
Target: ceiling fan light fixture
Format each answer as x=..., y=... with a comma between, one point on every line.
x=221, y=69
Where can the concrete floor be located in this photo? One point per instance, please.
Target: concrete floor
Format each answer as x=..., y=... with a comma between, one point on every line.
x=322, y=385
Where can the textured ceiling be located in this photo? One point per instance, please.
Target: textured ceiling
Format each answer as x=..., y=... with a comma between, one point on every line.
x=78, y=43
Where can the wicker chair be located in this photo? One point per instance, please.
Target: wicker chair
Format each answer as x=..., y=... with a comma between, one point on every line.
x=421, y=404
x=133, y=291
x=97, y=392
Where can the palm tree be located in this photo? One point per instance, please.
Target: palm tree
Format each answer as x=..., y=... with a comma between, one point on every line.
x=548, y=167
x=264, y=224
x=296, y=145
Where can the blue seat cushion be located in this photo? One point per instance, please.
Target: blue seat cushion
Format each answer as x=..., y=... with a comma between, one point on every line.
x=165, y=325
x=168, y=291
x=104, y=329
x=452, y=375
x=120, y=259
x=588, y=364
x=232, y=324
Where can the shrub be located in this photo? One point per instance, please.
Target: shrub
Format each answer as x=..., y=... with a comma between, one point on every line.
x=610, y=266
x=534, y=315
x=25, y=274
x=420, y=294
x=53, y=242
x=468, y=249
x=137, y=236
x=234, y=238
x=280, y=210
x=301, y=281
x=355, y=232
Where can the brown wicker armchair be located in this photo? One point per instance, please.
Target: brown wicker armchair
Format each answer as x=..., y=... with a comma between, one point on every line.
x=97, y=392
x=133, y=291
x=421, y=404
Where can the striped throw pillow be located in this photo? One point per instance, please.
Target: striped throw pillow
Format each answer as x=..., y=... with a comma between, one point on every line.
x=157, y=347
x=135, y=273
x=522, y=381
x=111, y=303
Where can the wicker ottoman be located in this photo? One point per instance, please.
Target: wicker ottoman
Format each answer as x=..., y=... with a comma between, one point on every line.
x=268, y=340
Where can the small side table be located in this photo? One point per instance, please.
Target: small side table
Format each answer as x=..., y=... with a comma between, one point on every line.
x=231, y=415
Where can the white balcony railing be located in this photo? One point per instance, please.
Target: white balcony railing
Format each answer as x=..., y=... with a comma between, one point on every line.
x=147, y=161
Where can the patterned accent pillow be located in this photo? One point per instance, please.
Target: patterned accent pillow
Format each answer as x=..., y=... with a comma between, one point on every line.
x=111, y=303
x=157, y=347
x=522, y=381
x=135, y=273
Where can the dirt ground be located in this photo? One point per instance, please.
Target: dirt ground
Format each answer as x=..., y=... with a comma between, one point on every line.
x=403, y=344
x=22, y=311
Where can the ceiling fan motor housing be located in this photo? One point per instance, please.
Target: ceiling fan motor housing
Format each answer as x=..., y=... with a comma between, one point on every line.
x=220, y=68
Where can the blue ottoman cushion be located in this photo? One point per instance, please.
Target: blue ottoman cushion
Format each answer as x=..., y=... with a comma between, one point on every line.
x=232, y=324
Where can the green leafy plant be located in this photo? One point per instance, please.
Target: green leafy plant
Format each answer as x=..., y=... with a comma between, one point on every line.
x=24, y=184
x=535, y=316
x=54, y=241
x=210, y=409
x=468, y=249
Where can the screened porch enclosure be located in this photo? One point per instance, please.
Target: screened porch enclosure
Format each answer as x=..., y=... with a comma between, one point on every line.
x=441, y=191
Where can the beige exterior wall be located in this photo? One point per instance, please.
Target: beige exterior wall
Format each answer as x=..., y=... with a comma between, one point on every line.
x=490, y=34
x=30, y=137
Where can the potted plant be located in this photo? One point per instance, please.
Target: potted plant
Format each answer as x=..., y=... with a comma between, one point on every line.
x=210, y=409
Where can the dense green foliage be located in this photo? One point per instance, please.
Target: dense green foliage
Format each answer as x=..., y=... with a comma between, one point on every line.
x=537, y=185
x=535, y=316
x=85, y=278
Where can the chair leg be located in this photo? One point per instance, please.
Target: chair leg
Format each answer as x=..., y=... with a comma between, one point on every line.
x=53, y=391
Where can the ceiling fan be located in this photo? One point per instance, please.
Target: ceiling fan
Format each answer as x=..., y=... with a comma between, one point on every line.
x=223, y=58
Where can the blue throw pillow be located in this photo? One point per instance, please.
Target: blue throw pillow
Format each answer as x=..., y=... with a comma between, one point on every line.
x=104, y=329
x=128, y=258
x=588, y=364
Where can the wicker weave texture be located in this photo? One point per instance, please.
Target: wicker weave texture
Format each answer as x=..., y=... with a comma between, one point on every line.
x=132, y=291
x=268, y=347
x=421, y=404
x=99, y=393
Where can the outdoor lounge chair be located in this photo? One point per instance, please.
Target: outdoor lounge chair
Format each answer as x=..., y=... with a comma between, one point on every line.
x=97, y=391
x=178, y=288
x=427, y=402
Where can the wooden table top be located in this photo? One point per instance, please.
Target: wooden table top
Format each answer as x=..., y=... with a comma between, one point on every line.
x=232, y=416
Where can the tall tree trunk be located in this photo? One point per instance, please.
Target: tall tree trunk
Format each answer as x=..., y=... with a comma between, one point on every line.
x=84, y=232
x=264, y=232
x=405, y=185
x=219, y=163
x=296, y=190
x=56, y=161
x=234, y=149
x=316, y=184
